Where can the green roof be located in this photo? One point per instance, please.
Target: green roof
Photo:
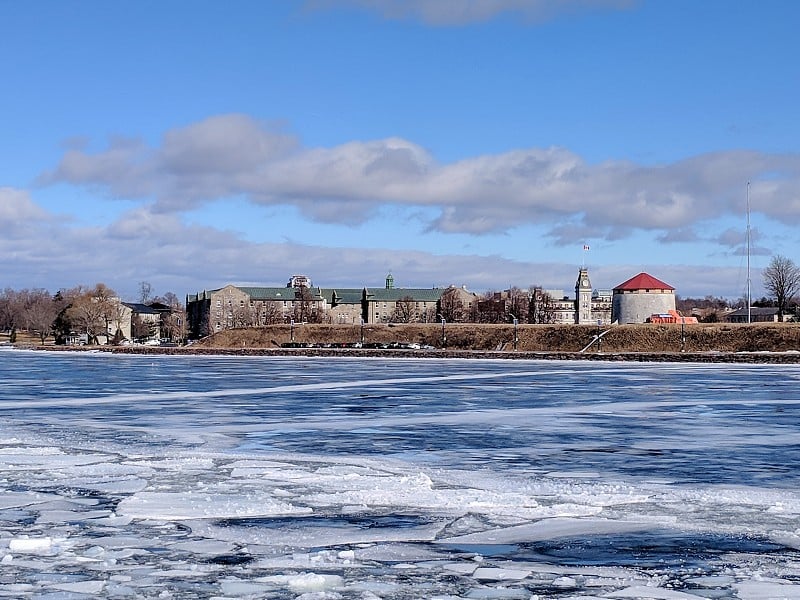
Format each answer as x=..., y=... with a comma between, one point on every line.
x=395, y=294
x=343, y=295
x=270, y=293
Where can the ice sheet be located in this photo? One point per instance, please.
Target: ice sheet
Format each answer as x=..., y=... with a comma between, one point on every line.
x=220, y=477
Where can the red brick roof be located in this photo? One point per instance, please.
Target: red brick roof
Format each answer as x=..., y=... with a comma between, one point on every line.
x=643, y=281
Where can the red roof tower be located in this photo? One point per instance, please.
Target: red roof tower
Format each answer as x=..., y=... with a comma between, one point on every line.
x=643, y=281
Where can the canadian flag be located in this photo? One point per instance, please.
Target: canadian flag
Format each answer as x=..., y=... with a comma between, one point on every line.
x=585, y=247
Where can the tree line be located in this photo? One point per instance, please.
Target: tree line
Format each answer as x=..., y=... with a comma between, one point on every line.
x=782, y=281
x=532, y=305
x=96, y=310
x=93, y=311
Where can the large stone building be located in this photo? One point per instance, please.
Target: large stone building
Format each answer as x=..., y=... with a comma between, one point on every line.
x=241, y=306
x=550, y=306
x=590, y=306
x=641, y=296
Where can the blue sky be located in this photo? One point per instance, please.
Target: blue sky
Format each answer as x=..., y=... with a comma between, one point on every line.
x=477, y=143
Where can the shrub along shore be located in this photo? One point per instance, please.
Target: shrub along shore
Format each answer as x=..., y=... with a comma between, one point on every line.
x=761, y=342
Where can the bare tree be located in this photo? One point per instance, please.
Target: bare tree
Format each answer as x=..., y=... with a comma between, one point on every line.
x=451, y=307
x=270, y=313
x=404, y=310
x=301, y=307
x=86, y=316
x=490, y=308
x=93, y=311
x=304, y=309
x=145, y=291
x=243, y=316
x=782, y=280
x=517, y=304
x=708, y=309
x=108, y=302
x=172, y=316
x=40, y=312
x=10, y=310
x=141, y=329
x=173, y=325
x=541, y=309
x=316, y=315
x=169, y=299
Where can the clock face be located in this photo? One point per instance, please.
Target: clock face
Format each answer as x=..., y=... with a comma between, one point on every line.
x=585, y=282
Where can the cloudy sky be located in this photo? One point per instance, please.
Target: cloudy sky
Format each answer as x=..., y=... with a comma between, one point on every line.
x=469, y=142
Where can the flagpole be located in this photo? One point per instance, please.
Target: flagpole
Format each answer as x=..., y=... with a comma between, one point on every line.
x=748, y=253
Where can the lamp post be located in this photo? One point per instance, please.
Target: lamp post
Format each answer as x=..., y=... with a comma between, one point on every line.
x=362, y=331
x=516, y=338
x=291, y=330
x=683, y=334
x=444, y=336
x=599, y=339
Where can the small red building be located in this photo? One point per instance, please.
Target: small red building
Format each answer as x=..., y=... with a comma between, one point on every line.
x=672, y=316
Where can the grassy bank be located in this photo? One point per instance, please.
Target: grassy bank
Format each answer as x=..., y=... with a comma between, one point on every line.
x=726, y=338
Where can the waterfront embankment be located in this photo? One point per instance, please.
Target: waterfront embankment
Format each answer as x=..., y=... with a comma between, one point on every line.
x=754, y=343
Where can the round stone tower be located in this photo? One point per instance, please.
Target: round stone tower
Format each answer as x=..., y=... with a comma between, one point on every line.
x=639, y=297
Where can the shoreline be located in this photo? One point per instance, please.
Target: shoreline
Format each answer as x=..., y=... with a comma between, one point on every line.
x=759, y=357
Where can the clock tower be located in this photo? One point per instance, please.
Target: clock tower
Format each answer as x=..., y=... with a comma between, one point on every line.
x=583, y=298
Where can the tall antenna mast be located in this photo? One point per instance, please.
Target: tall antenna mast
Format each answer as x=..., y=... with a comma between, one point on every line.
x=748, y=253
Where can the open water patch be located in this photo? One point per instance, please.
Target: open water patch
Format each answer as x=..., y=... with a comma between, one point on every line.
x=359, y=521
x=650, y=549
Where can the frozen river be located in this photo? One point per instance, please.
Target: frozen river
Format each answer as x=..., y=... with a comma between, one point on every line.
x=314, y=478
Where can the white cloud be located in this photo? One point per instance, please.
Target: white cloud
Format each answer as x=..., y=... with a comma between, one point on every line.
x=144, y=225
x=234, y=155
x=145, y=245
x=123, y=170
x=223, y=145
x=19, y=215
x=683, y=234
x=462, y=12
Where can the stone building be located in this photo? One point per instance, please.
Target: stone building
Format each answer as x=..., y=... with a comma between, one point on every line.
x=583, y=298
x=242, y=306
x=641, y=296
x=345, y=305
x=149, y=319
x=756, y=315
x=564, y=308
x=400, y=305
x=590, y=306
